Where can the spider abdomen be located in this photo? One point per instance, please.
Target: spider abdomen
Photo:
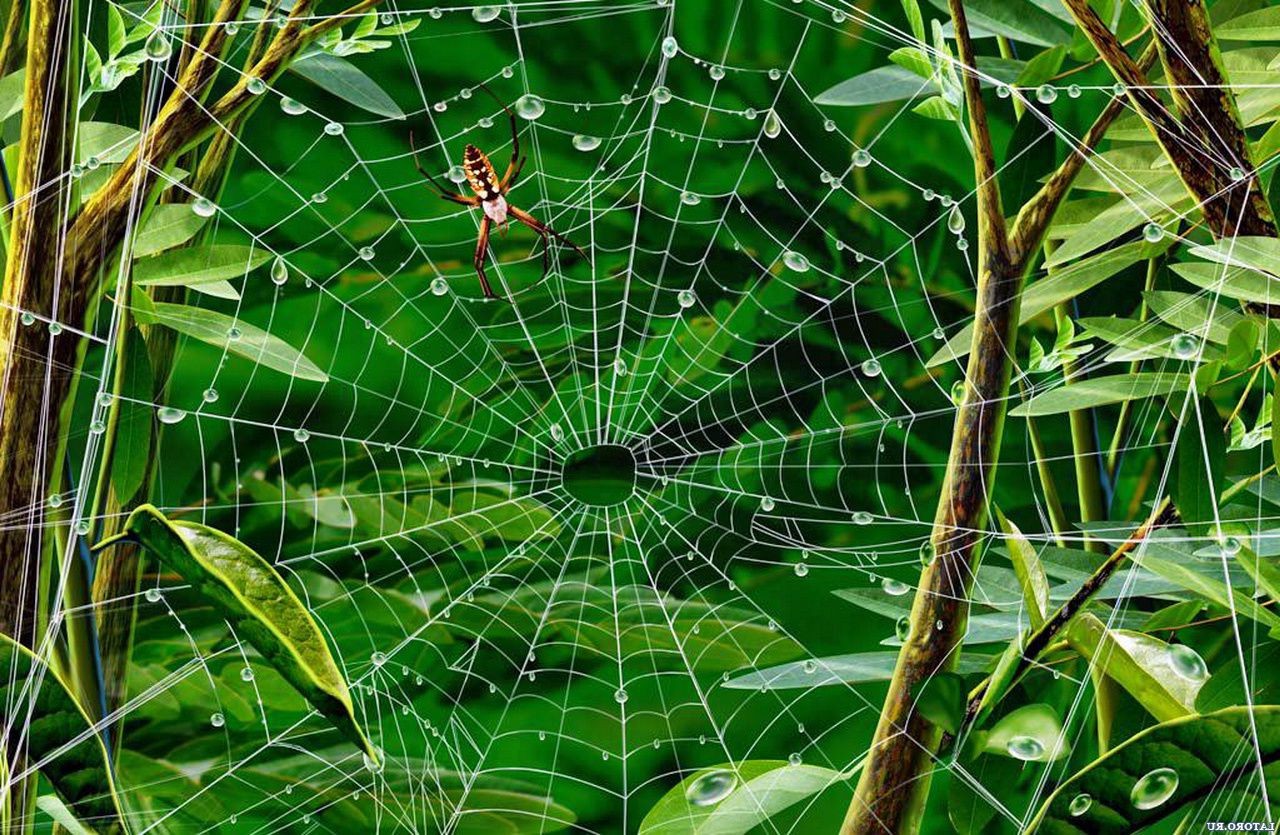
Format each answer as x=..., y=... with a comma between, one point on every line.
x=480, y=174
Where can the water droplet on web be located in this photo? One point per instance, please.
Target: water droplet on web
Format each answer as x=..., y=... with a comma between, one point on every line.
x=955, y=220
x=530, y=107
x=158, y=47
x=256, y=86
x=97, y=427
x=217, y=720
x=210, y=395
x=871, y=367
x=1187, y=663
x=802, y=569
x=1153, y=232
x=204, y=207
x=1026, y=748
x=233, y=333
x=439, y=286
x=333, y=128
x=670, y=47
x=662, y=95
x=689, y=198
x=795, y=261
x=279, y=271
x=894, y=588
x=484, y=14
x=1154, y=788
x=957, y=392
x=795, y=759
x=301, y=435
x=862, y=517
x=772, y=125
x=1230, y=546
x=55, y=328
x=939, y=333
x=686, y=298
x=372, y=763
x=620, y=367
x=1185, y=346
x=1046, y=94
x=716, y=72
x=457, y=174
x=711, y=788
x=861, y=158
x=766, y=504
x=583, y=142
x=1079, y=805
x=902, y=628
x=829, y=125
x=927, y=552
x=27, y=318
x=620, y=696
x=246, y=674
x=1236, y=173
x=170, y=415
x=319, y=197
x=1074, y=91
x=152, y=595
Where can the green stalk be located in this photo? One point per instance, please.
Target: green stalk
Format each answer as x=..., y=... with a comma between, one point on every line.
x=1126, y=408
x=1053, y=501
x=1084, y=454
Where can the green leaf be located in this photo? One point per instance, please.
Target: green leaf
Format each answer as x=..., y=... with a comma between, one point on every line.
x=1138, y=662
x=166, y=226
x=60, y=739
x=942, y=701
x=1200, y=465
x=1203, y=751
x=1249, y=251
x=1232, y=282
x=754, y=791
x=1042, y=67
x=255, y=599
x=53, y=806
x=1101, y=391
x=12, y=90
x=1259, y=26
x=856, y=668
x=936, y=107
x=1015, y=19
x=116, y=38
x=341, y=78
x=1242, y=344
x=1031, y=576
x=1275, y=431
x=913, y=59
x=912, y=10
x=1211, y=589
x=238, y=337
x=877, y=86
x=107, y=141
x=134, y=421
x=1032, y=733
x=196, y=265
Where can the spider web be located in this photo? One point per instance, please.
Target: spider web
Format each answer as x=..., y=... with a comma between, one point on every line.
x=751, y=326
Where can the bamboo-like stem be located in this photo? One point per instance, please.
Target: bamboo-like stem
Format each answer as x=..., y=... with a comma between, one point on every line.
x=894, y=783
x=1052, y=499
x=1084, y=454
x=1126, y=408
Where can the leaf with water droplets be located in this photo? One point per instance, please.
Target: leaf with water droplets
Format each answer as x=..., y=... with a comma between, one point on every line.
x=758, y=789
x=255, y=599
x=1139, y=663
x=1031, y=733
x=1204, y=753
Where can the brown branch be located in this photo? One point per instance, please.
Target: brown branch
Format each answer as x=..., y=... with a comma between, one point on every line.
x=12, y=35
x=990, y=214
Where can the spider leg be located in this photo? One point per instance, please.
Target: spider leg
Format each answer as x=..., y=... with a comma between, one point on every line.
x=513, y=167
x=482, y=250
x=543, y=229
x=447, y=194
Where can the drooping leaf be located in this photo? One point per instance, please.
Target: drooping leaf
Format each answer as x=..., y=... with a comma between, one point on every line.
x=238, y=337
x=1101, y=391
x=1204, y=754
x=192, y=266
x=259, y=604
x=1139, y=663
x=346, y=81
x=61, y=741
x=750, y=793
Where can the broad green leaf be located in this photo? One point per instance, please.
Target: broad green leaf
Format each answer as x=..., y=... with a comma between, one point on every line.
x=341, y=78
x=195, y=265
x=735, y=798
x=135, y=419
x=167, y=225
x=1056, y=287
x=238, y=337
x=1232, y=282
x=1016, y=19
x=255, y=599
x=1258, y=26
x=1032, y=733
x=883, y=84
x=857, y=668
x=1157, y=204
x=108, y=142
x=1101, y=391
x=1042, y=67
x=1137, y=662
x=1204, y=753
x=1200, y=461
x=61, y=741
x=1242, y=343
x=913, y=59
x=1200, y=314
x=1249, y=251
x=1031, y=576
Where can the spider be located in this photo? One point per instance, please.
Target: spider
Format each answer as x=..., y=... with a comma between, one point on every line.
x=491, y=196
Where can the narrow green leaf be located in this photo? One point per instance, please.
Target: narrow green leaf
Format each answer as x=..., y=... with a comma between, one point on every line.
x=1137, y=662
x=1233, y=282
x=749, y=794
x=1242, y=344
x=877, y=86
x=105, y=141
x=198, y=265
x=116, y=39
x=135, y=421
x=1204, y=753
x=1200, y=465
x=1042, y=67
x=261, y=606
x=1256, y=27
x=238, y=337
x=856, y=668
x=1101, y=391
x=53, y=806
x=1249, y=251
x=1015, y=19
x=912, y=10
x=12, y=88
x=1031, y=576
x=913, y=59
x=62, y=743
x=341, y=78
x=1213, y=590
x=167, y=225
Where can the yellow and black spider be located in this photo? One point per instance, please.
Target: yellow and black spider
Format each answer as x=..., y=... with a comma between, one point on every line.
x=491, y=196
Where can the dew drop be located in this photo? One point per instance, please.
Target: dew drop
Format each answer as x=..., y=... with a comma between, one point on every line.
x=530, y=107
x=955, y=220
x=711, y=788
x=158, y=47
x=246, y=674
x=801, y=569
x=484, y=14
x=204, y=207
x=871, y=367
x=27, y=318
x=689, y=198
x=557, y=433
x=795, y=261
x=927, y=552
x=716, y=72
x=1230, y=546
x=862, y=517
x=279, y=271
x=210, y=395
x=152, y=595
x=670, y=46
x=620, y=367
x=767, y=504
x=957, y=392
x=55, y=500
x=301, y=435
x=1187, y=663
x=686, y=299
x=333, y=128
x=1026, y=748
x=795, y=758
x=217, y=720
x=1185, y=346
x=772, y=125
x=55, y=328
x=1046, y=94
x=1153, y=232
x=620, y=696
x=1154, y=788
x=1079, y=805
x=894, y=588
x=97, y=427
x=1074, y=91
x=170, y=415
x=457, y=174
x=373, y=764
x=584, y=142
x=662, y=95
x=902, y=628
x=439, y=286
x=256, y=86
x=861, y=158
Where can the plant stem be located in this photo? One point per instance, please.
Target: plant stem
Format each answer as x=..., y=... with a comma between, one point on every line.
x=1084, y=453
x=1126, y=408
